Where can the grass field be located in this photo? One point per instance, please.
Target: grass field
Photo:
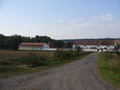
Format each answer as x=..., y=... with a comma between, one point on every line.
x=6, y=54
x=10, y=62
x=23, y=62
x=109, y=68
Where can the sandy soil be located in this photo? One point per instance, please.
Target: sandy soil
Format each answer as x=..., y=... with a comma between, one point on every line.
x=78, y=75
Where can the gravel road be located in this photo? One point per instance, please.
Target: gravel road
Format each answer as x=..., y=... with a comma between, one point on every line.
x=78, y=75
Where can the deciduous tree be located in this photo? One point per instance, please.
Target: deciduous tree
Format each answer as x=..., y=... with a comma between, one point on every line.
x=14, y=41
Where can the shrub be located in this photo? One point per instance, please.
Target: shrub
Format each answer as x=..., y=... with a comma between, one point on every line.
x=4, y=62
x=78, y=48
x=62, y=54
x=33, y=60
x=66, y=54
x=59, y=54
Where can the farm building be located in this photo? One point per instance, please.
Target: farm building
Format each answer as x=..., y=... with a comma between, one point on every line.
x=33, y=46
x=94, y=45
x=118, y=43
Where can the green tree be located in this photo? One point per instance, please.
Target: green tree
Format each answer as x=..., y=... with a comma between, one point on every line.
x=37, y=38
x=69, y=44
x=58, y=43
x=14, y=41
x=26, y=39
x=78, y=48
x=45, y=39
x=2, y=38
x=2, y=41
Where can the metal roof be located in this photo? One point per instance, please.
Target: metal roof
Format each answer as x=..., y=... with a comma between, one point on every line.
x=95, y=42
x=32, y=44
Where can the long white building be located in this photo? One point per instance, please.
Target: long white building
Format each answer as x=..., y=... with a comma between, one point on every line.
x=94, y=45
x=33, y=46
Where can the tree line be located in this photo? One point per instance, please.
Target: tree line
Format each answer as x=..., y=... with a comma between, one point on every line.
x=12, y=42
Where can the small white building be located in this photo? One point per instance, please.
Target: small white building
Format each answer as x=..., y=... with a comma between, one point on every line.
x=33, y=46
x=95, y=45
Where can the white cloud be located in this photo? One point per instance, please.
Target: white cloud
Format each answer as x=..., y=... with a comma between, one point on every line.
x=95, y=30
x=76, y=20
x=107, y=17
x=85, y=25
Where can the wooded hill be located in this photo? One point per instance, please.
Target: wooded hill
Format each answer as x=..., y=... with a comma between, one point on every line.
x=12, y=42
x=72, y=40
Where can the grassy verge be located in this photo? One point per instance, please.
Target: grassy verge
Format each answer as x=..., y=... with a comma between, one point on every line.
x=35, y=62
x=109, y=68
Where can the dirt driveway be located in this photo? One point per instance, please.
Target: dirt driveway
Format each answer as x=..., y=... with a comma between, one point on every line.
x=78, y=75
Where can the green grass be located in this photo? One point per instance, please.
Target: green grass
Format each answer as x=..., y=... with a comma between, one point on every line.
x=107, y=73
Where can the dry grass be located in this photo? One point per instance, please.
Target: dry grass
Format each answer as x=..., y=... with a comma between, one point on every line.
x=11, y=62
x=6, y=54
x=22, y=62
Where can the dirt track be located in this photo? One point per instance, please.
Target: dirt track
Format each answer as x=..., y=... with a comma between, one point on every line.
x=78, y=75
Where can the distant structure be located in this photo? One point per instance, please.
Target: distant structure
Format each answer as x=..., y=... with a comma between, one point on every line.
x=118, y=43
x=33, y=46
x=96, y=45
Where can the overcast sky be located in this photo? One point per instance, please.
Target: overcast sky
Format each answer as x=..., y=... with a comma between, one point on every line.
x=61, y=19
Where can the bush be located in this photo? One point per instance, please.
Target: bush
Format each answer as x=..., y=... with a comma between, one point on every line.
x=4, y=62
x=66, y=54
x=59, y=54
x=62, y=54
x=33, y=60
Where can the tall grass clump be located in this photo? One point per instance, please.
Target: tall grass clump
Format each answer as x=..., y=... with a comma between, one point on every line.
x=113, y=60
